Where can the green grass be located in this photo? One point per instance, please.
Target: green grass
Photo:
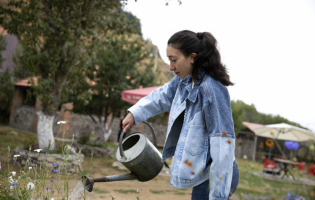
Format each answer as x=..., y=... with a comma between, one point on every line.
x=9, y=140
x=258, y=186
x=157, y=191
x=99, y=191
x=126, y=191
x=179, y=193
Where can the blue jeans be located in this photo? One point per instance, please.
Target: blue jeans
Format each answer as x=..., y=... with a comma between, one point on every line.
x=201, y=192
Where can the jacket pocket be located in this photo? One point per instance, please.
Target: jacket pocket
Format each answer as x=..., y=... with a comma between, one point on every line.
x=197, y=140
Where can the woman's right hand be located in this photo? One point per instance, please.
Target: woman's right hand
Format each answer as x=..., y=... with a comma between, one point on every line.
x=128, y=122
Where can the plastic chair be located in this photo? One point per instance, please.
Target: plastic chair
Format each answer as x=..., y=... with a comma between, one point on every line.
x=270, y=166
x=311, y=169
x=301, y=166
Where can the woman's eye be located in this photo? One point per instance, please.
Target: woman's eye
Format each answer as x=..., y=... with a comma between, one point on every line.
x=173, y=60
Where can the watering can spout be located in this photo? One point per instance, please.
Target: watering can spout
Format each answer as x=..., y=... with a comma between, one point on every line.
x=88, y=182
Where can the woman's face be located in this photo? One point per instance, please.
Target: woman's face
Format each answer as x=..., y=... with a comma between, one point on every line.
x=181, y=65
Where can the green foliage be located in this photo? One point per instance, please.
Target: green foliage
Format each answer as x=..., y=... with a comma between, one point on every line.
x=58, y=39
x=6, y=87
x=30, y=143
x=116, y=68
x=84, y=138
x=243, y=112
x=130, y=18
x=6, y=94
x=2, y=47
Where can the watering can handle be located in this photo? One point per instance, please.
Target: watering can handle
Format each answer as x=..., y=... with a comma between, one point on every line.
x=122, y=136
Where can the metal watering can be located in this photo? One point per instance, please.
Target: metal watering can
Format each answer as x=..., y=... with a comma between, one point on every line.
x=138, y=155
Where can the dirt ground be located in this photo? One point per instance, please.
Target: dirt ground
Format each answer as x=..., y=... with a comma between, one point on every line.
x=157, y=189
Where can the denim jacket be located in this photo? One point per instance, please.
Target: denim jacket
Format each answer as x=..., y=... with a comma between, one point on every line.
x=208, y=132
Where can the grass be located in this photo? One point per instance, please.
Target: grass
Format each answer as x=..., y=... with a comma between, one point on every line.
x=157, y=191
x=99, y=191
x=126, y=191
x=9, y=140
x=257, y=186
x=250, y=186
x=33, y=181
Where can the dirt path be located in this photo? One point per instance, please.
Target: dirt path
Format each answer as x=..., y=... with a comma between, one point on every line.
x=156, y=189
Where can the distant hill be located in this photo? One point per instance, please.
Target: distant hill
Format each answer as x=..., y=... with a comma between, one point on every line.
x=162, y=68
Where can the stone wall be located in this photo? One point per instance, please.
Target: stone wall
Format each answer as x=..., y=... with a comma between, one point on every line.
x=71, y=162
x=83, y=124
x=23, y=118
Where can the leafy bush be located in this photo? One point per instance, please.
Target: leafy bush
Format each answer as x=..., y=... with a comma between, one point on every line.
x=30, y=143
x=84, y=139
x=6, y=95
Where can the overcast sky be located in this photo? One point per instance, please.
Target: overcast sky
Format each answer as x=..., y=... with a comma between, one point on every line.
x=268, y=47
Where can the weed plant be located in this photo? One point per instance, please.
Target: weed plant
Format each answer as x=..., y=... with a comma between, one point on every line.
x=37, y=181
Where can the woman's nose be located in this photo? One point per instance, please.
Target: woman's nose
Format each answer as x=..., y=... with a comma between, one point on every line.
x=172, y=68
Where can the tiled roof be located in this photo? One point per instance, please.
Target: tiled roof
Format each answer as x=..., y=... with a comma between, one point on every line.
x=26, y=82
x=252, y=126
x=2, y=31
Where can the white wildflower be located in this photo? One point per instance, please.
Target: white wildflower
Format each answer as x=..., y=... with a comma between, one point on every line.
x=13, y=173
x=245, y=157
x=37, y=150
x=61, y=122
x=11, y=179
x=15, y=156
x=29, y=168
x=30, y=186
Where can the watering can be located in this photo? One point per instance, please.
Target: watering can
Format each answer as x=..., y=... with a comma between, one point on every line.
x=138, y=155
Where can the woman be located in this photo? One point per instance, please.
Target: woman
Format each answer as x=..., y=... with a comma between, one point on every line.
x=200, y=132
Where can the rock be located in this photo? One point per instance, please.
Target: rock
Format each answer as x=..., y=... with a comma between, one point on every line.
x=13, y=133
x=71, y=162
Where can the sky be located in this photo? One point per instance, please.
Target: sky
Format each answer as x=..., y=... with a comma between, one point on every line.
x=268, y=47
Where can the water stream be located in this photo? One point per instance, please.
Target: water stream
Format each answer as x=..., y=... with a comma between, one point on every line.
x=78, y=192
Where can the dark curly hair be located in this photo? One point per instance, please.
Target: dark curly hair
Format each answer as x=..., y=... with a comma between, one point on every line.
x=208, y=57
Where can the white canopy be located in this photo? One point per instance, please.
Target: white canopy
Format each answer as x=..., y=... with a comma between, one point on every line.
x=284, y=131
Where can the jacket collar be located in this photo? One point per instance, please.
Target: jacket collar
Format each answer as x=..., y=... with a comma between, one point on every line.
x=189, y=92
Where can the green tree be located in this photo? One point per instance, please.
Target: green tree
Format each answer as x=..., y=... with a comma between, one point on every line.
x=121, y=63
x=58, y=39
x=2, y=47
x=244, y=112
x=6, y=87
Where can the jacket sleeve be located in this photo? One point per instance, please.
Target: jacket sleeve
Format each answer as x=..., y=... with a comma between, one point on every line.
x=159, y=100
x=220, y=127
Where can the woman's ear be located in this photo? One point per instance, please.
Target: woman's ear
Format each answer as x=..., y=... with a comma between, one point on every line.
x=192, y=57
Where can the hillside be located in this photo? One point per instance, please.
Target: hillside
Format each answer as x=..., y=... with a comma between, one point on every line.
x=161, y=68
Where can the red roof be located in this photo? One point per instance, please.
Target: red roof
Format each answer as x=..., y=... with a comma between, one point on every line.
x=133, y=96
x=3, y=31
x=252, y=126
x=26, y=82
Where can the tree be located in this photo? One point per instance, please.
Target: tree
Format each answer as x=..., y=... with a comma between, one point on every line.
x=6, y=87
x=243, y=112
x=57, y=37
x=116, y=68
x=2, y=47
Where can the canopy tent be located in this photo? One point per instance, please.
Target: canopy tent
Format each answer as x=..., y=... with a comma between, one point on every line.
x=282, y=131
x=133, y=96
